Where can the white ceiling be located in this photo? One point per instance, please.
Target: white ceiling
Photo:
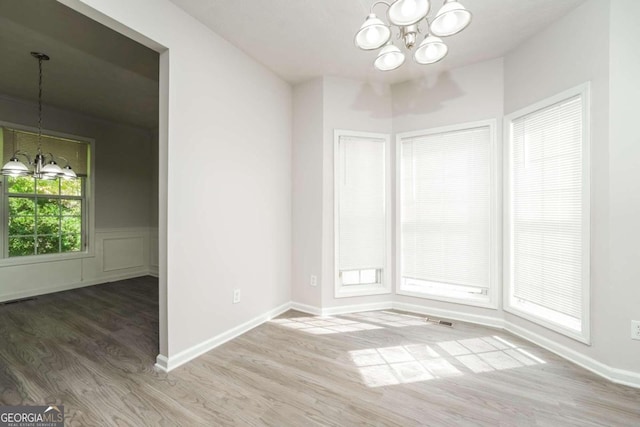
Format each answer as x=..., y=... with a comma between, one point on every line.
x=302, y=39
x=93, y=70
x=101, y=73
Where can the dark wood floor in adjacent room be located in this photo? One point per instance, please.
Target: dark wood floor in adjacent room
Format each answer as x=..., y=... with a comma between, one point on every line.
x=93, y=350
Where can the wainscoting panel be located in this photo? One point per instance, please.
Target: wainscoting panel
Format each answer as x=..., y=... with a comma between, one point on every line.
x=27, y=280
x=119, y=253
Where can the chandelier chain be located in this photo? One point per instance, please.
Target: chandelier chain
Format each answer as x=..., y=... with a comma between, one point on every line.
x=39, y=103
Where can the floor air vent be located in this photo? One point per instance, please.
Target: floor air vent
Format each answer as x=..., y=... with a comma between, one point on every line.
x=439, y=322
x=17, y=301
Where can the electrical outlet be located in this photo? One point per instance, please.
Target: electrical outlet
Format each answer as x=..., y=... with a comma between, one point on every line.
x=313, y=281
x=236, y=296
x=635, y=329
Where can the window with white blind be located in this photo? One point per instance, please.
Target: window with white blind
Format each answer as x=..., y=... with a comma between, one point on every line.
x=447, y=213
x=43, y=217
x=362, y=228
x=547, y=222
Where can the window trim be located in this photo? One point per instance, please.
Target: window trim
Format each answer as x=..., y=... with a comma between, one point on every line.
x=385, y=286
x=89, y=216
x=584, y=91
x=492, y=300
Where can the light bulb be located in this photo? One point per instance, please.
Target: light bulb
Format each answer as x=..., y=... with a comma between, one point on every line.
x=407, y=12
x=408, y=7
x=388, y=60
x=450, y=21
x=431, y=51
x=372, y=34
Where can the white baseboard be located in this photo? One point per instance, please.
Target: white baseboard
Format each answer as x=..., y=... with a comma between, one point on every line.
x=309, y=309
x=67, y=287
x=167, y=364
x=494, y=322
x=619, y=376
x=341, y=309
x=355, y=308
x=624, y=377
x=162, y=363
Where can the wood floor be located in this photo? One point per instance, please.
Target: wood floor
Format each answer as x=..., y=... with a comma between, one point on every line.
x=93, y=350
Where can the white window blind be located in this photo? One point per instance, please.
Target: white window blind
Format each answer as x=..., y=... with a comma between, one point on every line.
x=547, y=228
x=361, y=203
x=446, y=215
x=75, y=153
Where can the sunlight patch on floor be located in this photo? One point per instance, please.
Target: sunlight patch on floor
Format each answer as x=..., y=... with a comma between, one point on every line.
x=386, y=366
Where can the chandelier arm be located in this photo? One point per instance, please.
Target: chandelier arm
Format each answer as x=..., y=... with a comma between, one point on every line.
x=23, y=154
x=377, y=3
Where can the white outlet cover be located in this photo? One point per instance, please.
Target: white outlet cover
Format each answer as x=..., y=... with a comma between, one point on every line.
x=313, y=281
x=236, y=296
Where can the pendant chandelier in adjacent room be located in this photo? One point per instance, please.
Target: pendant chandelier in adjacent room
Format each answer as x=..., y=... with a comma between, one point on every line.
x=405, y=18
x=43, y=165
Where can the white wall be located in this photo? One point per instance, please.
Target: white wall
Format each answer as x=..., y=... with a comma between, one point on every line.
x=350, y=105
x=622, y=290
x=122, y=244
x=307, y=192
x=227, y=133
x=465, y=94
x=568, y=53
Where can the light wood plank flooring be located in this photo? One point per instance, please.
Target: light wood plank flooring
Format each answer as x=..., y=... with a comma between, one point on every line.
x=93, y=350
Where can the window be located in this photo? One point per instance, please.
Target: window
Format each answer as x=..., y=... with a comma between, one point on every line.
x=547, y=224
x=447, y=214
x=361, y=213
x=44, y=216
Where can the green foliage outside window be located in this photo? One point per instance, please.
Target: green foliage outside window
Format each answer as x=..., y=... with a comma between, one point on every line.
x=45, y=216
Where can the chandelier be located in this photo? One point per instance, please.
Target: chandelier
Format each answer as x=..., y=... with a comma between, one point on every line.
x=406, y=15
x=43, y=165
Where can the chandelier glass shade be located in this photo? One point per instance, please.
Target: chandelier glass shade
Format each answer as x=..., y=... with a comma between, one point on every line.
x=408, y=18
x=389, y=58
x=43, y=165
x=431, y=50
x=450, y=19
x=408, y=12
x=373, y=33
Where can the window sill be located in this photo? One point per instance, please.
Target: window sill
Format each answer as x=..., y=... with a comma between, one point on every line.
x=37, y=259
x=480, y=301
